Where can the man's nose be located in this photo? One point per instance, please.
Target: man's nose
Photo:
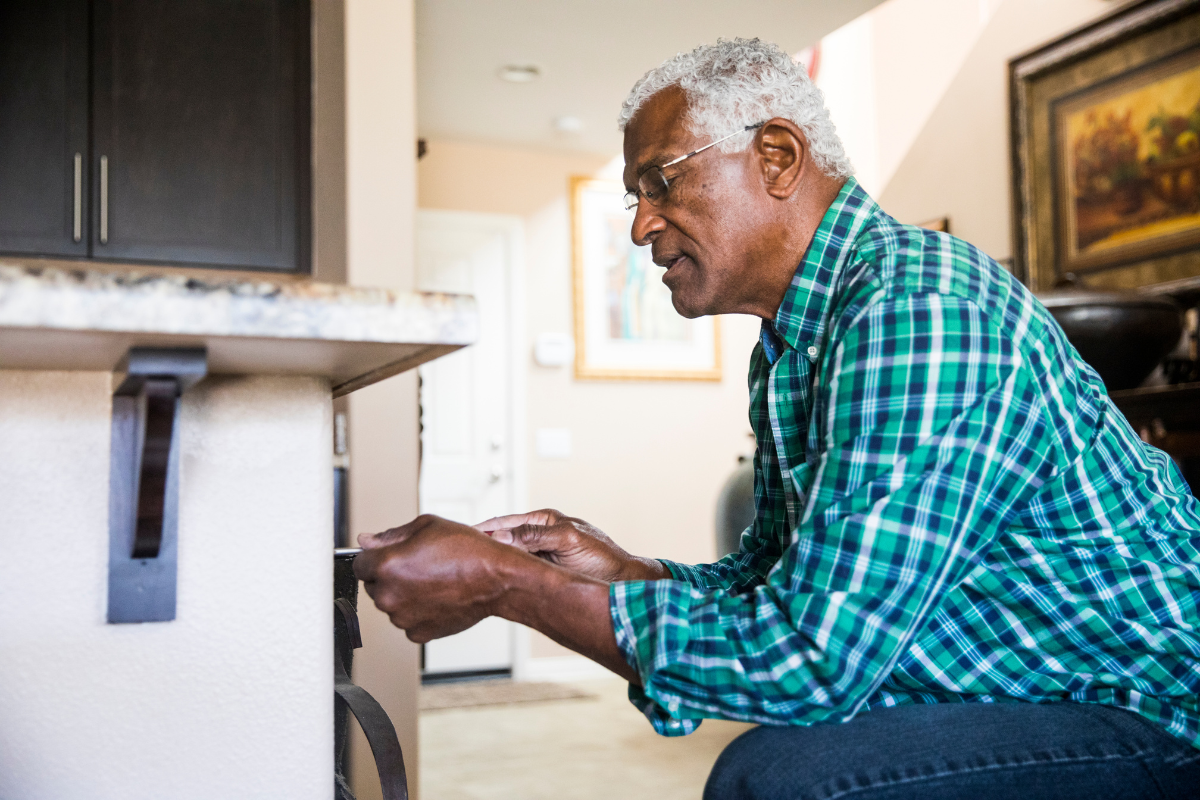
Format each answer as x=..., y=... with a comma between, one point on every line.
x=646, y=224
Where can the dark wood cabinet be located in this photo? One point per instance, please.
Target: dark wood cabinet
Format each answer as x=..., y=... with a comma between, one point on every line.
x=44, y=127
x=196, y=150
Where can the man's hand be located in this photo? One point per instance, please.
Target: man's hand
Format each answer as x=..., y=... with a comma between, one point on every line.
x=573, y=544
x=432, y=577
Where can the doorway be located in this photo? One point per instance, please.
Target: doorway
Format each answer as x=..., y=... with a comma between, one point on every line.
x=472, y=411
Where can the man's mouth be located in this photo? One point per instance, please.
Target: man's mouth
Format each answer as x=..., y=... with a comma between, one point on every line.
x=671, y=261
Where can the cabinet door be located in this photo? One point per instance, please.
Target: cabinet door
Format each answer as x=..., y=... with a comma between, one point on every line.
x=201, y=132
x=43, y=126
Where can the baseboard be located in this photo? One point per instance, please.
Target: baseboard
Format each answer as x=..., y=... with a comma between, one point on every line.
x=562, y=669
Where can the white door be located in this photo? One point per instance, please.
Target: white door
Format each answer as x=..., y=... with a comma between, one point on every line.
x=467, y=464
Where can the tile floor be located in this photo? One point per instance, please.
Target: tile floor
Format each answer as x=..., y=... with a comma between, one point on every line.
x=599, y=747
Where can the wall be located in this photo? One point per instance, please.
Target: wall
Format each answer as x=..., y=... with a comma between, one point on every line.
x=187, y=708
x=884, y=73
x=329, y=141
x=959, y=163
x=846, y=74
x=380, y=198
x=648, y=457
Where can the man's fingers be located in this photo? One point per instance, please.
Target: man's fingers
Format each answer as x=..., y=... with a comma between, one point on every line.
x=504, y=522
x=371, y=541
x=370, y=565
x=539, y=538
x=510, y=521
x=365, y=564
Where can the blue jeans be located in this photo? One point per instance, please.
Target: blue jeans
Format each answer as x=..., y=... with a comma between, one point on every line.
x=962, y=751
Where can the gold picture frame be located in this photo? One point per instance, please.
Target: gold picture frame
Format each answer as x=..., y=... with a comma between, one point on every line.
x=1104, y=186
x=625, y=326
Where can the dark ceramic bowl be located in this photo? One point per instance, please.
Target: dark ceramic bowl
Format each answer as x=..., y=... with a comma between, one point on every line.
x=1123, y=336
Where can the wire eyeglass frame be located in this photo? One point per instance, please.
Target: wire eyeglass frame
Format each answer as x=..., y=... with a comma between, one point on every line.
x=653, y=184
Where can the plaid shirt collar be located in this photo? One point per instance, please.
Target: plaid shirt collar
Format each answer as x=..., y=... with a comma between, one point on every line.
x=801, y=319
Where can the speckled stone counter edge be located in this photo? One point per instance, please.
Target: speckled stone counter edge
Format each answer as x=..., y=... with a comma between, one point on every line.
x=83, y=300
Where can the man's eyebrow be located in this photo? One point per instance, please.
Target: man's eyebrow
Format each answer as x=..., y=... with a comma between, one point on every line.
x=652, y=160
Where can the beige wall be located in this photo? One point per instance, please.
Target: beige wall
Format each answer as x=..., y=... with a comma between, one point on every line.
x=648, y=457
x=918, y=91
x=959, y=164
x=884, y=72
x=380, y=205
x=329, y=141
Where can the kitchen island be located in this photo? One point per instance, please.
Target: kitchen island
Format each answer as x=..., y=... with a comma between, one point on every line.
x=232, y=697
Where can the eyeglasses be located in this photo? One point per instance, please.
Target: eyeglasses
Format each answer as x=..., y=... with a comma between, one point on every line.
x=653, y=184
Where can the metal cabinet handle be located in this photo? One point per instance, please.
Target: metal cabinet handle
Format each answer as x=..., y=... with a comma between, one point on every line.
x=77, y=230
x=103, y=199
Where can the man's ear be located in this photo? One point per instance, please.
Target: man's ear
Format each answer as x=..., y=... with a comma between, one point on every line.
x=782, y=150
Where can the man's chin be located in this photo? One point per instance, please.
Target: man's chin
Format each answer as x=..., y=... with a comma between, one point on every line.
x=687, y=307
x=688, y=294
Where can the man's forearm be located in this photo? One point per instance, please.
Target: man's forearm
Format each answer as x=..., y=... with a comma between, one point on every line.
x=570, y=608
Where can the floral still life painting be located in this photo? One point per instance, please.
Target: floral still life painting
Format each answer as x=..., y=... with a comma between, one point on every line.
x=1106, y=152
x=1132, y=162
x=625, y=325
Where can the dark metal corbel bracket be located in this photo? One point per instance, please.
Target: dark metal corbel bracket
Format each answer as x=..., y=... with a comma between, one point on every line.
x=143, y=488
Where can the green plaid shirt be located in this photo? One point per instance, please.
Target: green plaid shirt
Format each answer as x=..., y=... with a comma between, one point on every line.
x=949, y=509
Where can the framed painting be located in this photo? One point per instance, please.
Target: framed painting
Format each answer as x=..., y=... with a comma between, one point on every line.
x=625, y=325
x=1106, y=152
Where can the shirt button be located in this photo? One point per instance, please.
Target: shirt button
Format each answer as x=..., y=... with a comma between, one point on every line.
x=812, y=352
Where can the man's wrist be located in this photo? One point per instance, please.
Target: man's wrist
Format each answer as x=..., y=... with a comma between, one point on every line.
x=569, y=607
x=645, y=569
x=526, y=583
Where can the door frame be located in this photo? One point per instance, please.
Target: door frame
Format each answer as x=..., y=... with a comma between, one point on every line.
x=512, y=228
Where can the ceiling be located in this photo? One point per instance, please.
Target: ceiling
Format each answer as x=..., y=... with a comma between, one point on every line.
x=590, y=53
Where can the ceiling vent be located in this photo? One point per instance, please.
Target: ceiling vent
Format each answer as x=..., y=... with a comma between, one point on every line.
x=519, y=73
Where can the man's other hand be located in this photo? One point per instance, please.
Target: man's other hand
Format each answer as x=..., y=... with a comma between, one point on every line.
x=573, y=544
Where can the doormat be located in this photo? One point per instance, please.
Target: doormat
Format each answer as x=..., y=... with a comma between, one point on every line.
x=496, y=692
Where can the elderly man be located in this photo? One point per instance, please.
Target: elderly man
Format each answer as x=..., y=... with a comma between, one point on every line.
x=967, y=576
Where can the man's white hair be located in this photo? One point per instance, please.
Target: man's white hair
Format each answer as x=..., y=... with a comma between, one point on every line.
x=740, y=82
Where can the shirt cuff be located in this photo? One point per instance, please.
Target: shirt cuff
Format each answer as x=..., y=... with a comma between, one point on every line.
x=630, y=611
x=684, y=572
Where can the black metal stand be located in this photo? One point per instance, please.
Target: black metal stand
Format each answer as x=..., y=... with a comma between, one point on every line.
x=374, y=721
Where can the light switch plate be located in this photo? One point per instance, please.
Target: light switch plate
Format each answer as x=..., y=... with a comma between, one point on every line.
x=553, y=442
x=553, y=349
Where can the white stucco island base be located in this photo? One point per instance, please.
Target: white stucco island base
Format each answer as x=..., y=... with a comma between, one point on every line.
x=234, y=697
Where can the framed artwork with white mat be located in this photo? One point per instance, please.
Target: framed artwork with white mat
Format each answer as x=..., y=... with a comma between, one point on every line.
x=625, y=325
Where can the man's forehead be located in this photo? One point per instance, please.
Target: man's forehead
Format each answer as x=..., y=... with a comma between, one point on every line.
x=656, y=131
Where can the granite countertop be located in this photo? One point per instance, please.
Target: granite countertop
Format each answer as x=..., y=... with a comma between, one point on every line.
x=53, y=318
